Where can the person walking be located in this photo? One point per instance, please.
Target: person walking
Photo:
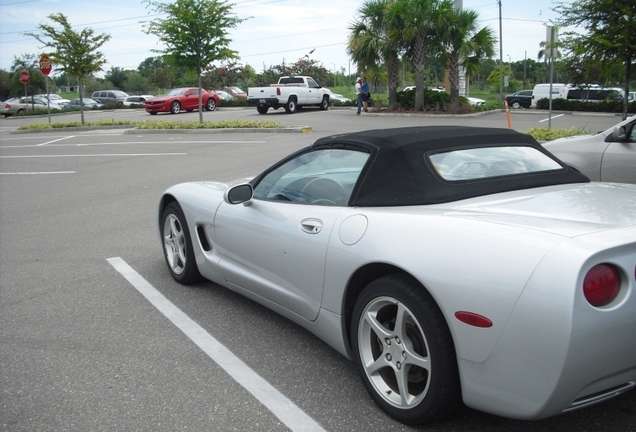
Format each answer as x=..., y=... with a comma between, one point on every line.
x=365, y=94
x=359, y=93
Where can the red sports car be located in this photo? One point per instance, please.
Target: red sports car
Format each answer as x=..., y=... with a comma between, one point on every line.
x=177, y=100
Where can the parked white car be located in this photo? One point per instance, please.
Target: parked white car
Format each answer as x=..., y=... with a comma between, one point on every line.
x=137, y=100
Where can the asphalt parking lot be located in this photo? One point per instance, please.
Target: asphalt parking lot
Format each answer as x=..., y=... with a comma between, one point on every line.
x=83, y=348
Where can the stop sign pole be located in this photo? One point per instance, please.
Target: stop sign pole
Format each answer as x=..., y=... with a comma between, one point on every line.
x=45, y=68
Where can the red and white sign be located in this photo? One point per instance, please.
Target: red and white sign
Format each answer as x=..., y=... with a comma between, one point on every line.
x=24, y=77
x=45, y=65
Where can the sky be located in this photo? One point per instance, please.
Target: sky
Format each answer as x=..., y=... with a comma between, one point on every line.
x=274, y=32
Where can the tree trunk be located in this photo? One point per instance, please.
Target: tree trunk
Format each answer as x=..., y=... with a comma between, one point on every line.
x=419, y=62
x=80, y=84
x=393, y=72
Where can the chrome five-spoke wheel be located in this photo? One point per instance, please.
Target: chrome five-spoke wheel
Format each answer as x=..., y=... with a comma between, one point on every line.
x=404, y=351
x=177, y=245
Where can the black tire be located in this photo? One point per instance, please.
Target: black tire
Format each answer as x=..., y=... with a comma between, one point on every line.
x=153, y=113
x=324, y=105
x=177, y=245
x=290, y=106
x=262, y=109
x=421, y=351
x=210, y=105
x=175, y=107
x=516, y=104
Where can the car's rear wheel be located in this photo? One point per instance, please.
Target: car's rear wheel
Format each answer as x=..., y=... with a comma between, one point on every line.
x=211, y=105
x=262, y=109
x=177, y=245
x=404, y=351
x=175, y=107
x=290, y=107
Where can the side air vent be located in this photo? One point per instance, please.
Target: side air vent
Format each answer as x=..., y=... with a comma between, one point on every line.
x=205, y=244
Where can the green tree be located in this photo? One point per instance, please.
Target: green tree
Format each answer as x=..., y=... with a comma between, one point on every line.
x=72, y=52
x=136, y=83
x=609, y=37
x=118, y=77
x=417, y=29
x=370, y=43
x=464, y=45
x=195, y=33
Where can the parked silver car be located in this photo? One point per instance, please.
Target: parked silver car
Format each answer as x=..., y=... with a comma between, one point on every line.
x=447, y=262
x=608, y=156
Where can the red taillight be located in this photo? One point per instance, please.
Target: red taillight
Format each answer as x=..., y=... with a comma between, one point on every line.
x=601, y=285
x=277, y=91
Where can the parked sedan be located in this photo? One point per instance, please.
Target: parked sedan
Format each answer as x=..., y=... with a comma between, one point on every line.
x=26, y=104
x=87, y=103
x=223, y=95
x=608, y=156
x=136, y=100
x=520, y=99
x=236, y=92
x=182, y=99
x=449, y=263
x=55, y=99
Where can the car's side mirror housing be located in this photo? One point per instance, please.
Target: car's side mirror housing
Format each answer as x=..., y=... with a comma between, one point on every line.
x=619, y=133
x=239, y=194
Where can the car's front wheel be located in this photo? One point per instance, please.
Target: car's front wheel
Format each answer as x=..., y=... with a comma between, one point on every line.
x=324, y=105
x=404, y=351
x=177, y=245
x=175, y=107
x=516, y=104
x=211, y=105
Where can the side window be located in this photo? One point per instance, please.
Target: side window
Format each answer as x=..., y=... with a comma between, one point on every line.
x=311, y=83
x=321, y=177
x=111, y=95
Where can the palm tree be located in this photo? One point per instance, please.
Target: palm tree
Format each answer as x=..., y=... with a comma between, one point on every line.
x=370, y=43
x=417, y=29
x=464, y=45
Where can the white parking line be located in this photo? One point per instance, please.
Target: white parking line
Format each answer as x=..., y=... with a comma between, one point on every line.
x=553, y=117
x=59, y=139
x=43, y=172
x=288, y=413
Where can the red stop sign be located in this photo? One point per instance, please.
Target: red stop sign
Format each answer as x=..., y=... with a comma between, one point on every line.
x=24, y=77
x=45, y=65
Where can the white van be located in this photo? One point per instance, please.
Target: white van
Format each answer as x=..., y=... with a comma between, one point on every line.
x=541, y=91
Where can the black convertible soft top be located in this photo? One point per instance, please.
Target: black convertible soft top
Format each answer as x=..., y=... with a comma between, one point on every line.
x=399, y=171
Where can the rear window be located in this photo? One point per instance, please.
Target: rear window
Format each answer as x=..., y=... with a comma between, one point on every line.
x=490, y=162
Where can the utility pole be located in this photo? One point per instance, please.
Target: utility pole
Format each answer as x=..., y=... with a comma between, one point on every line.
x=500, y=58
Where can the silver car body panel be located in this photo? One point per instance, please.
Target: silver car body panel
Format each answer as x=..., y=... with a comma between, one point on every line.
x=597, y=157
x=517, y=258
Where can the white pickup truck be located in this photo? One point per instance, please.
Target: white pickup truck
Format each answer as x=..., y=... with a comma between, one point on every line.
x=291, y=92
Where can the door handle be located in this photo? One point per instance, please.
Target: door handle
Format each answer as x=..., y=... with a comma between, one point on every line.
x=311, y=226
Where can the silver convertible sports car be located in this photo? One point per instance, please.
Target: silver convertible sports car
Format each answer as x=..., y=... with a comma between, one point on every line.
x=451, y=264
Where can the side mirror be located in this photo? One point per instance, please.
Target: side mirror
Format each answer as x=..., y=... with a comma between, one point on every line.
x=239, y=194
x=619, y=133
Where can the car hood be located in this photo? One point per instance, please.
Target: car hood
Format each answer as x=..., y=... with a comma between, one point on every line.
x=565, y=210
